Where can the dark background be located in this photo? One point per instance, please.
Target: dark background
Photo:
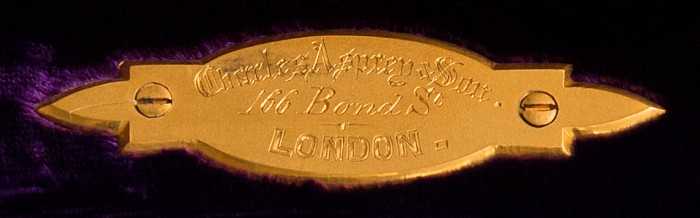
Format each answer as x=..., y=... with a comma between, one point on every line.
x=648, y=48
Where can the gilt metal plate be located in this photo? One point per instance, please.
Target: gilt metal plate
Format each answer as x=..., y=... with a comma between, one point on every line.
x=348, y=108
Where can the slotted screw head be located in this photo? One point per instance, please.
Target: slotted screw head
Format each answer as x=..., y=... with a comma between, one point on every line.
x=153, y=100
x=538, y=109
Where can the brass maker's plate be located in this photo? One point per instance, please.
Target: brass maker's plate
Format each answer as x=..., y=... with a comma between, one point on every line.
x=349, y=108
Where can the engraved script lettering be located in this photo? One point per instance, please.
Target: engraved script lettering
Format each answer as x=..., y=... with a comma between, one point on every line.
x=421, y=102
x=442, y=72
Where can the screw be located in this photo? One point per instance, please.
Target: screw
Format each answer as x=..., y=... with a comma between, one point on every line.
x=538, y=109
x=153, y=100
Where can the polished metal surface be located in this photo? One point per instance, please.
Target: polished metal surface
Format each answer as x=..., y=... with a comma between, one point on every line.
x=349, y=108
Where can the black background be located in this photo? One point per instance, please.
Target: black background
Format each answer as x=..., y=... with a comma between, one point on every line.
x=652, y=170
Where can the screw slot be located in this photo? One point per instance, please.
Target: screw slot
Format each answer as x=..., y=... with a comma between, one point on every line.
x=153, y=100
x=538, y=109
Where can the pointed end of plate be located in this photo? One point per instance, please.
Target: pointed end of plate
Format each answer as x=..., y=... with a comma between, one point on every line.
x=46, y=111
x=599, y=111
x=649, y=112
x=76, y=121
